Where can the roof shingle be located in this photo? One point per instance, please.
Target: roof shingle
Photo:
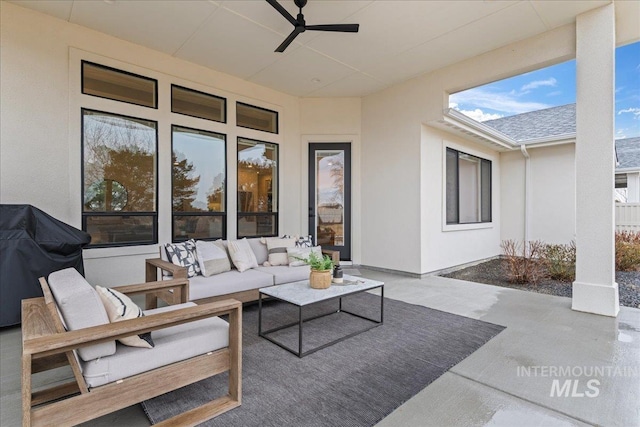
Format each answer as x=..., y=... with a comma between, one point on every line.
x=554, y=121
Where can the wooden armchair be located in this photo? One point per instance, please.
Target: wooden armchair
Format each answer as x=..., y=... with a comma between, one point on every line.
x=46, y=345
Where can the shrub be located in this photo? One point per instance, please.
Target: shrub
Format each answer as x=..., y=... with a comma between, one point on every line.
x=560, y=261
x=523, y=261
x=627, y=251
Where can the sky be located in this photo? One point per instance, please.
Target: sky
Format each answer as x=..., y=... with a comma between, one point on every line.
x=554, y=86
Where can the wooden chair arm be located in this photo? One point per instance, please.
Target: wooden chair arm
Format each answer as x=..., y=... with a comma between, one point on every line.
x=334, y=255
x=147, y=287
x=152, y=264
x=65, y=341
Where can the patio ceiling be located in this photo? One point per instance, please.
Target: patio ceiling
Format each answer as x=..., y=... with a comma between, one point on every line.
x=397, y=39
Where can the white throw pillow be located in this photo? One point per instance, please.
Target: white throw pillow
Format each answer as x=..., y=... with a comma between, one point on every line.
x=120, y=307
x=277, y=249
x=212, y=257
x=295, y=253
x=242, y=255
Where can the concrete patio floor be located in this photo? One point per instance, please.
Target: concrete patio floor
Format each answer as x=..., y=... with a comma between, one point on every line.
x=490, y=387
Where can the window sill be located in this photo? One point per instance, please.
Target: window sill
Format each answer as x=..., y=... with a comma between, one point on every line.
x=117, y=251
x=463, y=227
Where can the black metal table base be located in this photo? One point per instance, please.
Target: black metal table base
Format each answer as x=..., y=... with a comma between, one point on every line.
x=301, y=321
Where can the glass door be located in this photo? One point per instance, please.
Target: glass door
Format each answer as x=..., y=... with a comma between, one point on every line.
x=330, y=196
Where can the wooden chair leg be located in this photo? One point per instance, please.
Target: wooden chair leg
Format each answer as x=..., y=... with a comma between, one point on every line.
x=26, y=390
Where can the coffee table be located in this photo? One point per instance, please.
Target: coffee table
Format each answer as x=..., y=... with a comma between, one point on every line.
x=301, y=295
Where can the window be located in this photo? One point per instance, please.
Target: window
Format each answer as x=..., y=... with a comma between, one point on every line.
x=119, y=179
x=198, y=104
x=107, y=82
x=468, y=194
x=248, y=116
x=198, y=184
x=257, y=188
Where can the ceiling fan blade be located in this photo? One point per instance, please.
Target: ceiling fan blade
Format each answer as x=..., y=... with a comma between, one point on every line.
x=277, y=6
x=344, y=28
x=289, y=39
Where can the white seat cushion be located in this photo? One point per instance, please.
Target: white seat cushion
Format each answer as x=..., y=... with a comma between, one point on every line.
x=285, y=274
x=227, y=283
x=171, y=345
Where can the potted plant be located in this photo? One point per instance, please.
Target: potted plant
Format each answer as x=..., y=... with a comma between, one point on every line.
x=321, y=267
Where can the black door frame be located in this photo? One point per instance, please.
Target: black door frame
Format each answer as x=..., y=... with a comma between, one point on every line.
x=345, y=251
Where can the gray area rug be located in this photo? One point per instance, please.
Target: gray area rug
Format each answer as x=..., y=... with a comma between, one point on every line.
x=356, y=382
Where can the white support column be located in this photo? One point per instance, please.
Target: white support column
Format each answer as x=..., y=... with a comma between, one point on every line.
x=595, y=289
x=633, y=187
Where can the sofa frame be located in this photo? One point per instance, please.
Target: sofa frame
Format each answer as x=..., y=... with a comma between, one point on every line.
x=46, y=345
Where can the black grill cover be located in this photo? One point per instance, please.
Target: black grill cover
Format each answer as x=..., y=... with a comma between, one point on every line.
x=32, y=245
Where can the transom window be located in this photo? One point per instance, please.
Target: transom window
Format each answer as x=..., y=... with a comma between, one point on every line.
x=107, y=82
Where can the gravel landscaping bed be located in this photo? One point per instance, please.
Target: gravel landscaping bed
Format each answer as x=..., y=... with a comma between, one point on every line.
x=492, y=273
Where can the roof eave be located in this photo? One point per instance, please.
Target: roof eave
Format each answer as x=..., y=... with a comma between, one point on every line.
x=547, y=141
x=457, y=123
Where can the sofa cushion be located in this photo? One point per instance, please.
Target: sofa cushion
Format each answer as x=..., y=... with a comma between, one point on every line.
x=173, y=344
x=184, y=255
x=227, y=283
x=259, y=249
x=120, y=307
x=212, y=257
x=285, y=274
x=80, y=307
x=277, y=250
x=242, y=255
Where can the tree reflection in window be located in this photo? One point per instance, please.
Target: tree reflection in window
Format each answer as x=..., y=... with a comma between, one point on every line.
x=120, y=149
x=108, y=195
x=119, y=179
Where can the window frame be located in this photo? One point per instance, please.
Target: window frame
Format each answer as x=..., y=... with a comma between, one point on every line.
x=277, y=131
x=224, y=214
x=456, y=226
x=276, y=214
x=223, y=99
x=84, y=214
x=129, y=73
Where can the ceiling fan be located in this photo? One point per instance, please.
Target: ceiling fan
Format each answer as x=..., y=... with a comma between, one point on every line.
x=301, y=26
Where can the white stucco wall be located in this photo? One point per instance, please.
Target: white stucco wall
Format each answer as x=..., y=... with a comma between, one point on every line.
x=40, y=158
x=326, y=120
x=512, y=171
x=449, y=245
x=402, y=160
x=40, y=134
x=552, y=194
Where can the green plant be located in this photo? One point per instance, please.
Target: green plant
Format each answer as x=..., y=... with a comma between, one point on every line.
x=318, y=262
x=560, y=261
x=523, y=263
x=627, y=251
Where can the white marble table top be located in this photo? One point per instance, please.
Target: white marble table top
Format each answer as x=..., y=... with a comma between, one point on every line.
x=301, y=293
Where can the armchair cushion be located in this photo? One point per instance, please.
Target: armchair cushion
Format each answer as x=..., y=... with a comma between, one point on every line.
x=80, y=307
x=172, y=345
x=120, y=307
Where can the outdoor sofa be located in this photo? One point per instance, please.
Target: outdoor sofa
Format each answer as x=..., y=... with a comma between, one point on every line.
x=242, y=286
